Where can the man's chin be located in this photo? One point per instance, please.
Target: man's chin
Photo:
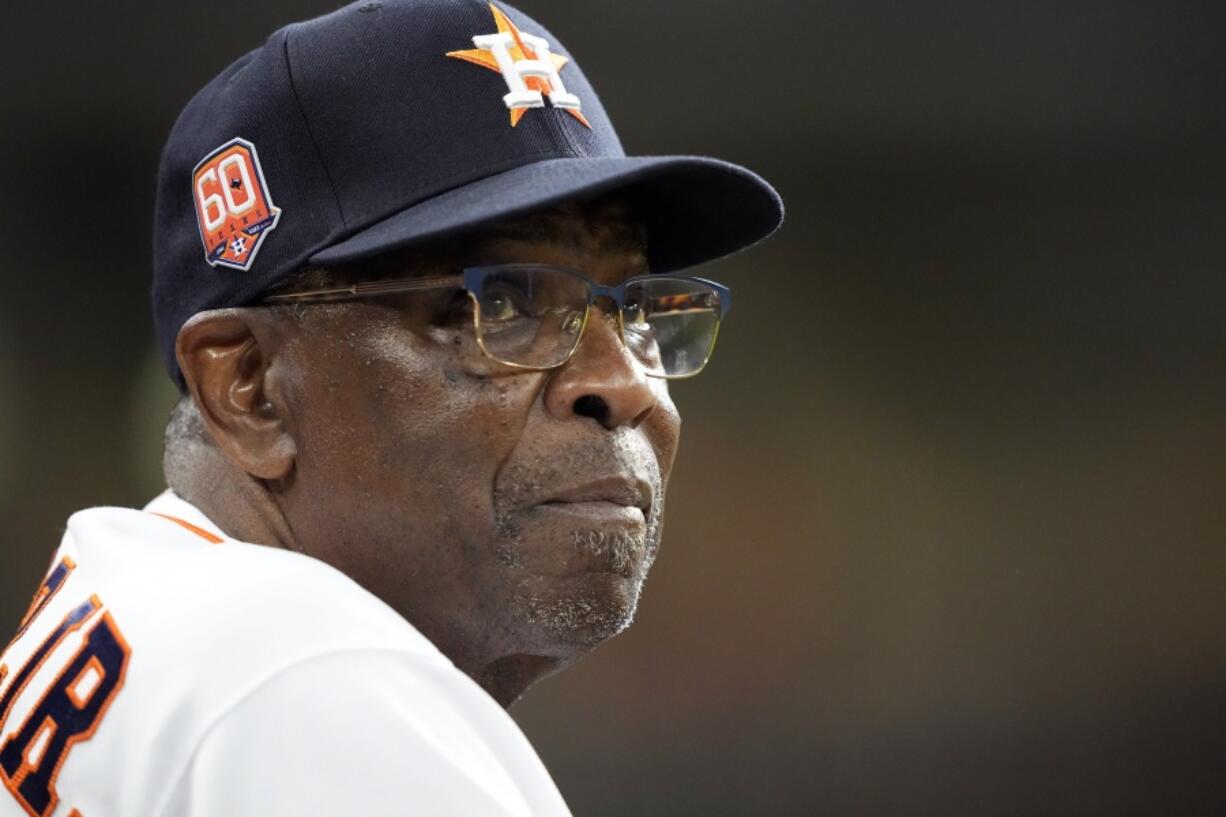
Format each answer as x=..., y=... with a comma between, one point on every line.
x=573, y=586
x=579, y=619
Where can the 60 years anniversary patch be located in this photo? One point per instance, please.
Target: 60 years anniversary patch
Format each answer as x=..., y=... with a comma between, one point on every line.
x=233, y=207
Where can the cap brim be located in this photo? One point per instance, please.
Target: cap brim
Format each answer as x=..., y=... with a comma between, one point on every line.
x=695, y=209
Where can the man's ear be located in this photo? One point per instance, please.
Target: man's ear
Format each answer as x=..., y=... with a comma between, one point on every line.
x=224, y=355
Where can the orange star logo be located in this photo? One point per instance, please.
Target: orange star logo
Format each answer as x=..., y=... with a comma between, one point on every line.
x=528, y=66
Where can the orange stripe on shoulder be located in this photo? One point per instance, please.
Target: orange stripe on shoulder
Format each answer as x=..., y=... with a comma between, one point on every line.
x=201, y=532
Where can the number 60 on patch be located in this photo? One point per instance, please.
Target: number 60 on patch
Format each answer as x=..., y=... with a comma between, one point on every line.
x=233, y=207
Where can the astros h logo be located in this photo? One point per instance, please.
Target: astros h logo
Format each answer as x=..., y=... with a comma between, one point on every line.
x=529, y=68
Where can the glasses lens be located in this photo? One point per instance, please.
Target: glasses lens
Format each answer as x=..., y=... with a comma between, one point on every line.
x=531, y=316
x=671, y=324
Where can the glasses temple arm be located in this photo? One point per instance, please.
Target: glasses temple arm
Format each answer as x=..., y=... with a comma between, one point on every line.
x=368, y=288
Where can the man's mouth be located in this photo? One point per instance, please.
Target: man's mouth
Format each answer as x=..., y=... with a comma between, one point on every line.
x=612, y=498
x=597, y=511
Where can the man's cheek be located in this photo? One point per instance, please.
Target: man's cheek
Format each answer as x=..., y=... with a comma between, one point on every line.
x=664, y=433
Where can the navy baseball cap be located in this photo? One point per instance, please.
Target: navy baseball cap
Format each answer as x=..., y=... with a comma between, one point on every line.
x=388, y=123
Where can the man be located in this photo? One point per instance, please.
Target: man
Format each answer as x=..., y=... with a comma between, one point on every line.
x=421, y=309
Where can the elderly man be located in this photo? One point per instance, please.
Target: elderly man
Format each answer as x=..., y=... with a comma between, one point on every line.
x=423, y=311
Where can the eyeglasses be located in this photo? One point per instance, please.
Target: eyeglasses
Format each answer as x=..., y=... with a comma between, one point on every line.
x=531, y=316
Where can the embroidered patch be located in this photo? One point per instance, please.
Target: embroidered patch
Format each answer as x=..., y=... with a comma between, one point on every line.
x=531, y=71
x=233, y=207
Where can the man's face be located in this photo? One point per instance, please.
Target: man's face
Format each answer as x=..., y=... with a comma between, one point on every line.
x=508, y=510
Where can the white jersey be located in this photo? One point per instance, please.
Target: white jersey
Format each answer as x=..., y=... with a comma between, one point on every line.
x=166, y=670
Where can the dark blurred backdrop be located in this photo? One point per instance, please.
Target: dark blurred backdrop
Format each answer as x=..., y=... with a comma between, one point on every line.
x=946, y=534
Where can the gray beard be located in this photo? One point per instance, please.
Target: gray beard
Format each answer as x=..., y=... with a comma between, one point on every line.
x=577, y=618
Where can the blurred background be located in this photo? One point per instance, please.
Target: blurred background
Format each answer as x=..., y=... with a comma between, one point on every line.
x=947, y=531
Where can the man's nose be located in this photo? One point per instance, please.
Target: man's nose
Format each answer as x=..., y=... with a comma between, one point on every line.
x=602, y=380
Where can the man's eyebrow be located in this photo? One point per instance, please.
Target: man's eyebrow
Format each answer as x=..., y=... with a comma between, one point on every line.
x=527, y=229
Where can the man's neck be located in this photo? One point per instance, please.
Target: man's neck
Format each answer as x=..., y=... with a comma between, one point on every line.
x=243, y=508
x=238, y=503
x=507, y=679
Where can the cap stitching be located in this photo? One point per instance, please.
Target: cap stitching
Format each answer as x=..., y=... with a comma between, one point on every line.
x=560, y=133
x=293, y=86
